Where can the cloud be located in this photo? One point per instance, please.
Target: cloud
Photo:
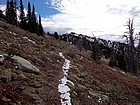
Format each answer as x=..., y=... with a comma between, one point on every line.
x=57, y=29
x=135, y=11
x=3, y=8
x=116, y=10
x=101, y=17
x=55, y=23
x=86, y=17
x=124, y=9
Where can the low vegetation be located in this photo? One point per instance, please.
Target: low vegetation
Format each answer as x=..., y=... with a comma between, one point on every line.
x=94, y=83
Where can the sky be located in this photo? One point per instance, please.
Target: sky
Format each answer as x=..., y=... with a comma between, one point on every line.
x=103, y=18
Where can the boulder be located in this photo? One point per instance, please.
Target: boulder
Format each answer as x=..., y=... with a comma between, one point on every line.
x=24, y=65
x=100, y=96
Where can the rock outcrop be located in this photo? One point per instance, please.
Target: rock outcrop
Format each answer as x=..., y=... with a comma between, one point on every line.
x=24, y=65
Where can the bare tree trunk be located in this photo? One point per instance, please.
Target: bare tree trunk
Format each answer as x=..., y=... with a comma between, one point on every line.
x=138, y=55
x=131, y=48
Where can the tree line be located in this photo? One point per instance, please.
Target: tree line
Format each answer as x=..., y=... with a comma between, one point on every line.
x=125, y=56
x=28, y=22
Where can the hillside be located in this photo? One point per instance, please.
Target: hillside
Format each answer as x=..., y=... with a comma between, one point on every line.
x=61, y=64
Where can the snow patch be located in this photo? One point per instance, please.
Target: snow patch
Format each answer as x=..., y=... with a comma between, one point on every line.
x=100, y=100
x=63, y=87
x=61, y=55
x=29, y=40
x=75, y=93
x=89, y=96
x=3, y=8
x=114, y=69
x=123, y=72
x=13, y=33
x=1, y=58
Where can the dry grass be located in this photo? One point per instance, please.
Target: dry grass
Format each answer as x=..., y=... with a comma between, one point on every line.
x=44, y=54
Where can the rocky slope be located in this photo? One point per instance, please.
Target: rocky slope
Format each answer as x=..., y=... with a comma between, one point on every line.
x=89, y=83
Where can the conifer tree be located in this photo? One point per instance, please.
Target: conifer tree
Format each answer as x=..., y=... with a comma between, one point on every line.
x=34, y=22
x=8, y=11
x=22, y=16
x=11, y=14
x=29, y=16
x=33, y=13
x=2, y=15
x=41, y=32
x=56, y=35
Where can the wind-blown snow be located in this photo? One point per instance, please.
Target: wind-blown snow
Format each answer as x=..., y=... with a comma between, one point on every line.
x=62, y=87
x=29, y=40
x=61, y=55
x=66, y=64
x=13, y=33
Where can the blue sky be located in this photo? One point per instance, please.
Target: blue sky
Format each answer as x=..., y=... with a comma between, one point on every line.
x=103, y=18
x=40, y=5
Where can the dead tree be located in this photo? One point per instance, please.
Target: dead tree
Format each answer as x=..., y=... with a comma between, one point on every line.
x=138, y=54
x=131, y=51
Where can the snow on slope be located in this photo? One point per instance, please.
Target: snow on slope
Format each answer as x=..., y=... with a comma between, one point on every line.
x=62, y=87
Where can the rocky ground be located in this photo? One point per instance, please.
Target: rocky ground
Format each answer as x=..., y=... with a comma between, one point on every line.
x=93, y=84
